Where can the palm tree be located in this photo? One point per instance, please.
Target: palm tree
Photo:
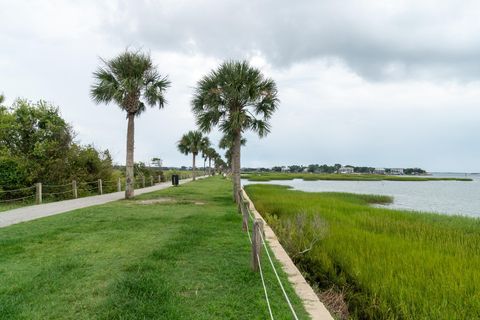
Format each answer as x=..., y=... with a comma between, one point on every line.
x=226, y=142
x=205, y=145
x=192, y=142
x=236, y=97
x=210, y=154
x=132, y=81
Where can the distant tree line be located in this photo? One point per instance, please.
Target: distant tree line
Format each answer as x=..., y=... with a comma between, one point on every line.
x=324, y=168
x=37, y=145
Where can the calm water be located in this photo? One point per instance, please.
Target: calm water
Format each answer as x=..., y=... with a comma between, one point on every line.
x=448, y=197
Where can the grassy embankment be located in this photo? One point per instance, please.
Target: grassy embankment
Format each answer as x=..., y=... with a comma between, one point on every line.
x=389, y=264
x=350, y=177
x=183, y=258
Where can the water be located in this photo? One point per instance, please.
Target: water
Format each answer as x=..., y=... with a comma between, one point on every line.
x=447, y=197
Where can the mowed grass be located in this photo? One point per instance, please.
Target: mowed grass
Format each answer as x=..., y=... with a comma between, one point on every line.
x=389, y=264
x=269, y=176
x=183, y=258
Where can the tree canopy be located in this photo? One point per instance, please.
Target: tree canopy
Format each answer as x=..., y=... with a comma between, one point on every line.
x=37, y=145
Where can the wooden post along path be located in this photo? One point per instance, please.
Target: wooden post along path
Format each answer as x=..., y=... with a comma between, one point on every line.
x=245, y=215
x=38, y=193
x=256, y=243
x=119, y=185
x=100, y=188
x=75, y=190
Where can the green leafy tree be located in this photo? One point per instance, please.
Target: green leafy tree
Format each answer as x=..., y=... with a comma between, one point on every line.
x=236, y=97
x=132, y=81
x=191, y=142
x=36, y=145
x=157, y=162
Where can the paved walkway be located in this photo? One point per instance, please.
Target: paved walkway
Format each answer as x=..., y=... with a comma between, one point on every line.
x=23, y=214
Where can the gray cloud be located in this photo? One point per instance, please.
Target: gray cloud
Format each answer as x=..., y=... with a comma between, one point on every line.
x=380, y=83
x=378, y=40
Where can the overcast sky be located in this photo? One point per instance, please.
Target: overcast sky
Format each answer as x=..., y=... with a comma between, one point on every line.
x=374, y=83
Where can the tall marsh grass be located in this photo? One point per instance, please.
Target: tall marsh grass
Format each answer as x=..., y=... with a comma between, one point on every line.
x=390, y=264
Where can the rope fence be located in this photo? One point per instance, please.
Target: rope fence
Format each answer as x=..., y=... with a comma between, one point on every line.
x=72, y=190
x=257, y=240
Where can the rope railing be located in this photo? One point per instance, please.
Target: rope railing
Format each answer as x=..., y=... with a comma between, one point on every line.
x=57, y=193
x=17, y=190
x=74, y=189
x=263, y=279
x=56, y=185
x=17, y=199
x=278, y=278
x=255, y=251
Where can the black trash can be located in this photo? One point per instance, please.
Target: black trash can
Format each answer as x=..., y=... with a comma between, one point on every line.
x=175, y=179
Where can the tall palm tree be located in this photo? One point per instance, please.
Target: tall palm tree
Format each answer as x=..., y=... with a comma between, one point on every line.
x=132, y=81
x=226, y=142
x=210, y=154
x=236, y=97
x=205, y=145
x=192, y=142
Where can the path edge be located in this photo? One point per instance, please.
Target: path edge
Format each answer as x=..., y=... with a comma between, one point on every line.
x=314, y=307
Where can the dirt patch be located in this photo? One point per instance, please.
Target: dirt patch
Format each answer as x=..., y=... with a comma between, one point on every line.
x=334, y=301
x=199, y=203
x=155, y=201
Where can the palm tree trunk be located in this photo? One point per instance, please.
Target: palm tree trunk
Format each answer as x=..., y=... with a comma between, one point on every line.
x=236, y=165
x=129, y=191
x=209, y=166
x=193, y=167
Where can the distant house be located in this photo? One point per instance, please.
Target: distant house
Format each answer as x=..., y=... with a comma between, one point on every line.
x=396, y=171
x=345, y=170
x=379, y=171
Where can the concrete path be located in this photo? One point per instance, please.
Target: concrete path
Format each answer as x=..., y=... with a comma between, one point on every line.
x=23, y=214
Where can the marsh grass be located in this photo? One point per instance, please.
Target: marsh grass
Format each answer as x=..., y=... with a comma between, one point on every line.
x=347, y=177
x=390, y=264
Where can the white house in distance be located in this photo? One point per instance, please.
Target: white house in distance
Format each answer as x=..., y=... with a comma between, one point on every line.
x=379, y=171
x=396, y=171
x=345, y=170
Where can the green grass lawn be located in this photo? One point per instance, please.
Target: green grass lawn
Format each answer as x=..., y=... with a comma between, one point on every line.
x=185, y=258
x=269, y=176
x=389, y=264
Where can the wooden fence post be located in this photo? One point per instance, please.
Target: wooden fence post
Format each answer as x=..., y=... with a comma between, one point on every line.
x=256, y=243
x=100, y=187
x=119, y=185
x=159, y=178
x=245, y=215
x=151, y=180
x=239, y=200
x=74, y=188
x=38, y=193
x=143, y=181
